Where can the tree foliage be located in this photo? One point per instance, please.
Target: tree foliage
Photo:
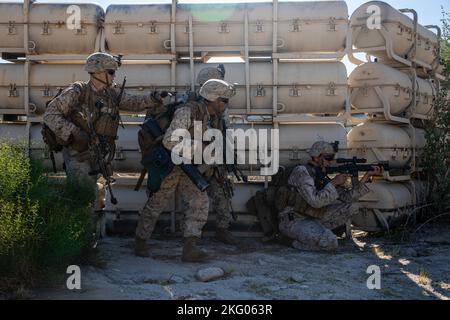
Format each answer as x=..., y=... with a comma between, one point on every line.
x=437, y=150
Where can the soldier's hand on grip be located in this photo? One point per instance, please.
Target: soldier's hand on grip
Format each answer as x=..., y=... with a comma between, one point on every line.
x=159, y=95
x=340, y=179
x=377, y=171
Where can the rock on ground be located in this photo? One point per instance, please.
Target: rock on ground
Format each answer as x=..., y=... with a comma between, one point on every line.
x=210, y=274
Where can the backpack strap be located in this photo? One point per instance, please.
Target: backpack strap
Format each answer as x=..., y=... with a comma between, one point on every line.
x=84, y=89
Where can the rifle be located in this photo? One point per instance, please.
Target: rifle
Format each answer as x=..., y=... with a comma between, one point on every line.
x=119, y=98
x=52, y=158
x=103, y=151
x=232, y=168
x=223, y=170
x=227, y=187
x=354, y=166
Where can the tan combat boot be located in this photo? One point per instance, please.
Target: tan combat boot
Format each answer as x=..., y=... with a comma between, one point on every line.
x=141, y=248
x=191, y=253
x=225, y=236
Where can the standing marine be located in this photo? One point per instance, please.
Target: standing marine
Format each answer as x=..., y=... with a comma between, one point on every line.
x=218, y=194
x=84, y=119
x=212, y=97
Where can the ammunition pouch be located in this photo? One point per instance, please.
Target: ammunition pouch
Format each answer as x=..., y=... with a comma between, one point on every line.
x=107, y=125
x=78, y=119
x=286, y=197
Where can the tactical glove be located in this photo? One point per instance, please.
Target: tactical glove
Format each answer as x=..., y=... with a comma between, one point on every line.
x=159, y=95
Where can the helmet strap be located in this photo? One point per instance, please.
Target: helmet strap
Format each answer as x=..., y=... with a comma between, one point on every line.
x=102, y=81
x=313, y=163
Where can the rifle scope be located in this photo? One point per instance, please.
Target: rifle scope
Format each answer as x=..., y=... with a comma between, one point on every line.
x=353, y=160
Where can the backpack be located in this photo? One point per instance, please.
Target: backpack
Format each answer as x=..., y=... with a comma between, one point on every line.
x=48, y=135
x=54, y=144
x=153, y=157
x=267, y=203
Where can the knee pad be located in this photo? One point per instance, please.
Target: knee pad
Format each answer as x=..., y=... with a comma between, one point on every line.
x=328, y=241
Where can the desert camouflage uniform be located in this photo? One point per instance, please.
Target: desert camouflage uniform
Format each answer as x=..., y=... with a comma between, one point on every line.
x=77, y=98
x=326, y=210
x=196, y=202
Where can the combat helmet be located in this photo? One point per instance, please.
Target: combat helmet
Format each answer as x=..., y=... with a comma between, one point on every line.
x=101, y=61
x=322, y=147
x=209, y=73
x=214, y=89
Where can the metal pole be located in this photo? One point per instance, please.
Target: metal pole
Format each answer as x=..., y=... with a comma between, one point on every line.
x=26, y=89
x=275, y=60
x=275, y=26
x=26, y=33
x=247, y=64
x=28, y=135
x=191, y=54
x=413, y=140
x=173, y=62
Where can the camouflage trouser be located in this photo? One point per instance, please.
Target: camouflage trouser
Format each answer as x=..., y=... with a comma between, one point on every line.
x=195, y=201
x=316, y=234
x=220, y=204
x=80, y=171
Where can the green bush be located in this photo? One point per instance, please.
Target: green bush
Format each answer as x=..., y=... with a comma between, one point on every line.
x=45, y=223
x=437, y=134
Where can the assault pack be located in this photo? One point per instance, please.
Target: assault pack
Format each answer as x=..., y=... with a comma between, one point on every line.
x=54, y=144
x=268, y=203
x=265, y=205
x=155, y=158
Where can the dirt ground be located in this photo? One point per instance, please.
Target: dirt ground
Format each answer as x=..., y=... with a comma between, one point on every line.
x=417, y=269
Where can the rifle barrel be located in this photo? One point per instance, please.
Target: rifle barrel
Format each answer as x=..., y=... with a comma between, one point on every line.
x=354, y=169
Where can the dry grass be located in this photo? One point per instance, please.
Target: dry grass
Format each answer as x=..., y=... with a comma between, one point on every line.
x=423, y=277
